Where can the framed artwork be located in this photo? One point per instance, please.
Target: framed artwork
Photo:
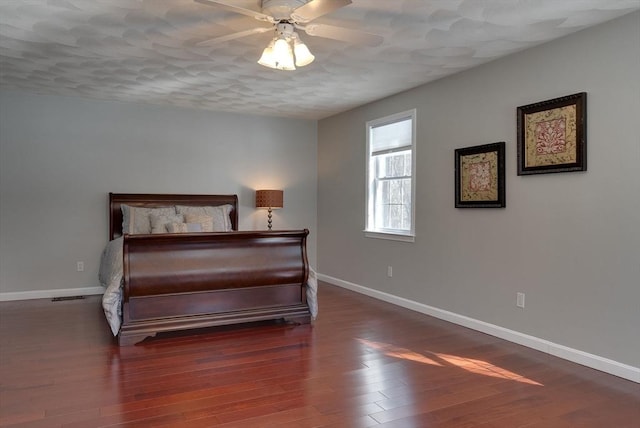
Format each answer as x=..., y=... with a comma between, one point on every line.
x=552, y=135
x=480, y=177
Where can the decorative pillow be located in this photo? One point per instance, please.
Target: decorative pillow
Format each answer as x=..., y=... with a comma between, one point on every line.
x=194, y=227
x=159, y=222
x=205, y=221
x=177, y=227
x=135, y=220
x=221, y=222
x=183, y=227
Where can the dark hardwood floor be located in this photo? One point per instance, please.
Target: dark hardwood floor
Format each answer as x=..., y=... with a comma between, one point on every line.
x=363, y=363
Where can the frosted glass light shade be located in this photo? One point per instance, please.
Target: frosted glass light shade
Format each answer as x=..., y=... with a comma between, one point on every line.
x=268, y=59
x=283, y=55
x=303, y=55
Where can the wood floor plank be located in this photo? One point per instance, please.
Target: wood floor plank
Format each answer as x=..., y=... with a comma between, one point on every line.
x=362, y=363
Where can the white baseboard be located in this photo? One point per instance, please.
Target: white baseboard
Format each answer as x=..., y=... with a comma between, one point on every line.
x=580, y=357
x=49, y=294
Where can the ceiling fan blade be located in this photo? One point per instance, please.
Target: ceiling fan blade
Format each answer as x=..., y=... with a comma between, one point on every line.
x=344, y=34
x=233, y=36
x=249, y=12
x=316, y=8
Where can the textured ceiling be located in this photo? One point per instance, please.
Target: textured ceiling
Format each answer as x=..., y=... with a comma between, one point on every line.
x=145, y=51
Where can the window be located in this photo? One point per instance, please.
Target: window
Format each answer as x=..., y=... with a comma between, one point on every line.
x=390, y=176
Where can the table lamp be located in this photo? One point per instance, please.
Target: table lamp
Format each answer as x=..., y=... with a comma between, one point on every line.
x=270, y=199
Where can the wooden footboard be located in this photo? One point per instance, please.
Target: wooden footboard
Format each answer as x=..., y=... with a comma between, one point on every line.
x=183, y=281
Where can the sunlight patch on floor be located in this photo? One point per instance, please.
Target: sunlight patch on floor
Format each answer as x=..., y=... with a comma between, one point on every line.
x=480, y=367
x=402, y=353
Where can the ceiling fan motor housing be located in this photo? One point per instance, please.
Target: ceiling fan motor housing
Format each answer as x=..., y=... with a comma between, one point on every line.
x=284, y=30
x=281, y=9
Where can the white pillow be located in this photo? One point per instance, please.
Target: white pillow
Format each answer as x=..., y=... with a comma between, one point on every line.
x=184, y=227
x=194, y=227
x=221, y=222
x=159, y=222
x=135, y=220
x=205, y=221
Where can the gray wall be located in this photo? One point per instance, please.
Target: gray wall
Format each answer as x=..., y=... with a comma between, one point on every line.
x=570, y=242
x=59, y=158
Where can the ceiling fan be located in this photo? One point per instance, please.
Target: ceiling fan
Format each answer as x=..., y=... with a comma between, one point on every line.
x=284, y=17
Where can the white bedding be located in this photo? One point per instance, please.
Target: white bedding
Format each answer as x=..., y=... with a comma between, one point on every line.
x=111, y=275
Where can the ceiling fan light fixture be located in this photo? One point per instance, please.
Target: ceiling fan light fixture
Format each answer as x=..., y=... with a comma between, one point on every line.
x=302, y=53
x=285, y=17
x=286, y=50
x=268, y=59
x=283, y=55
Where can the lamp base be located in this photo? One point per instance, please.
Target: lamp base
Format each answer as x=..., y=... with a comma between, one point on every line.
x=269, y=216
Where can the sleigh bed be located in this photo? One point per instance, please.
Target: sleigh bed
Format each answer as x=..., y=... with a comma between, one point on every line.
x=195, y=279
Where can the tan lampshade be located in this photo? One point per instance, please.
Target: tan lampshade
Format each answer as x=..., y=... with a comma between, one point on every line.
x=269, y=199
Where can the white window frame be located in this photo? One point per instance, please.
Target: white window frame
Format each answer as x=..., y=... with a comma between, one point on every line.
x=370, y=229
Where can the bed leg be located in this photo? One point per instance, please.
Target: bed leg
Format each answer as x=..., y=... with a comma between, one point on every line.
x=302, y=319
x=132, y=339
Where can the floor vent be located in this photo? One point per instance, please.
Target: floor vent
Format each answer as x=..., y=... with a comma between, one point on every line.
x=60, y=299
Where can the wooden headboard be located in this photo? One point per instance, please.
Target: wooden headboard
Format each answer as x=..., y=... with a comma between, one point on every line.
x=161, y=200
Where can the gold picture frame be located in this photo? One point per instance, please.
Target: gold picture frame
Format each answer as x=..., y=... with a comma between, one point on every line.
x=480, y=176
x=552, y=135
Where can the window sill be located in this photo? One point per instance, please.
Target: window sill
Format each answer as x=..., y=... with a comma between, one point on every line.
x=390, y=236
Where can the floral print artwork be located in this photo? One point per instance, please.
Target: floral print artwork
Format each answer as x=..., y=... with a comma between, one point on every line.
x=550, y=137
x=479, y=177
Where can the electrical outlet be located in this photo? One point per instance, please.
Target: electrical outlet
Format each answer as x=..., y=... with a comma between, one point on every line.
x=80, y=266
x=389, y=271
x=520, y=300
